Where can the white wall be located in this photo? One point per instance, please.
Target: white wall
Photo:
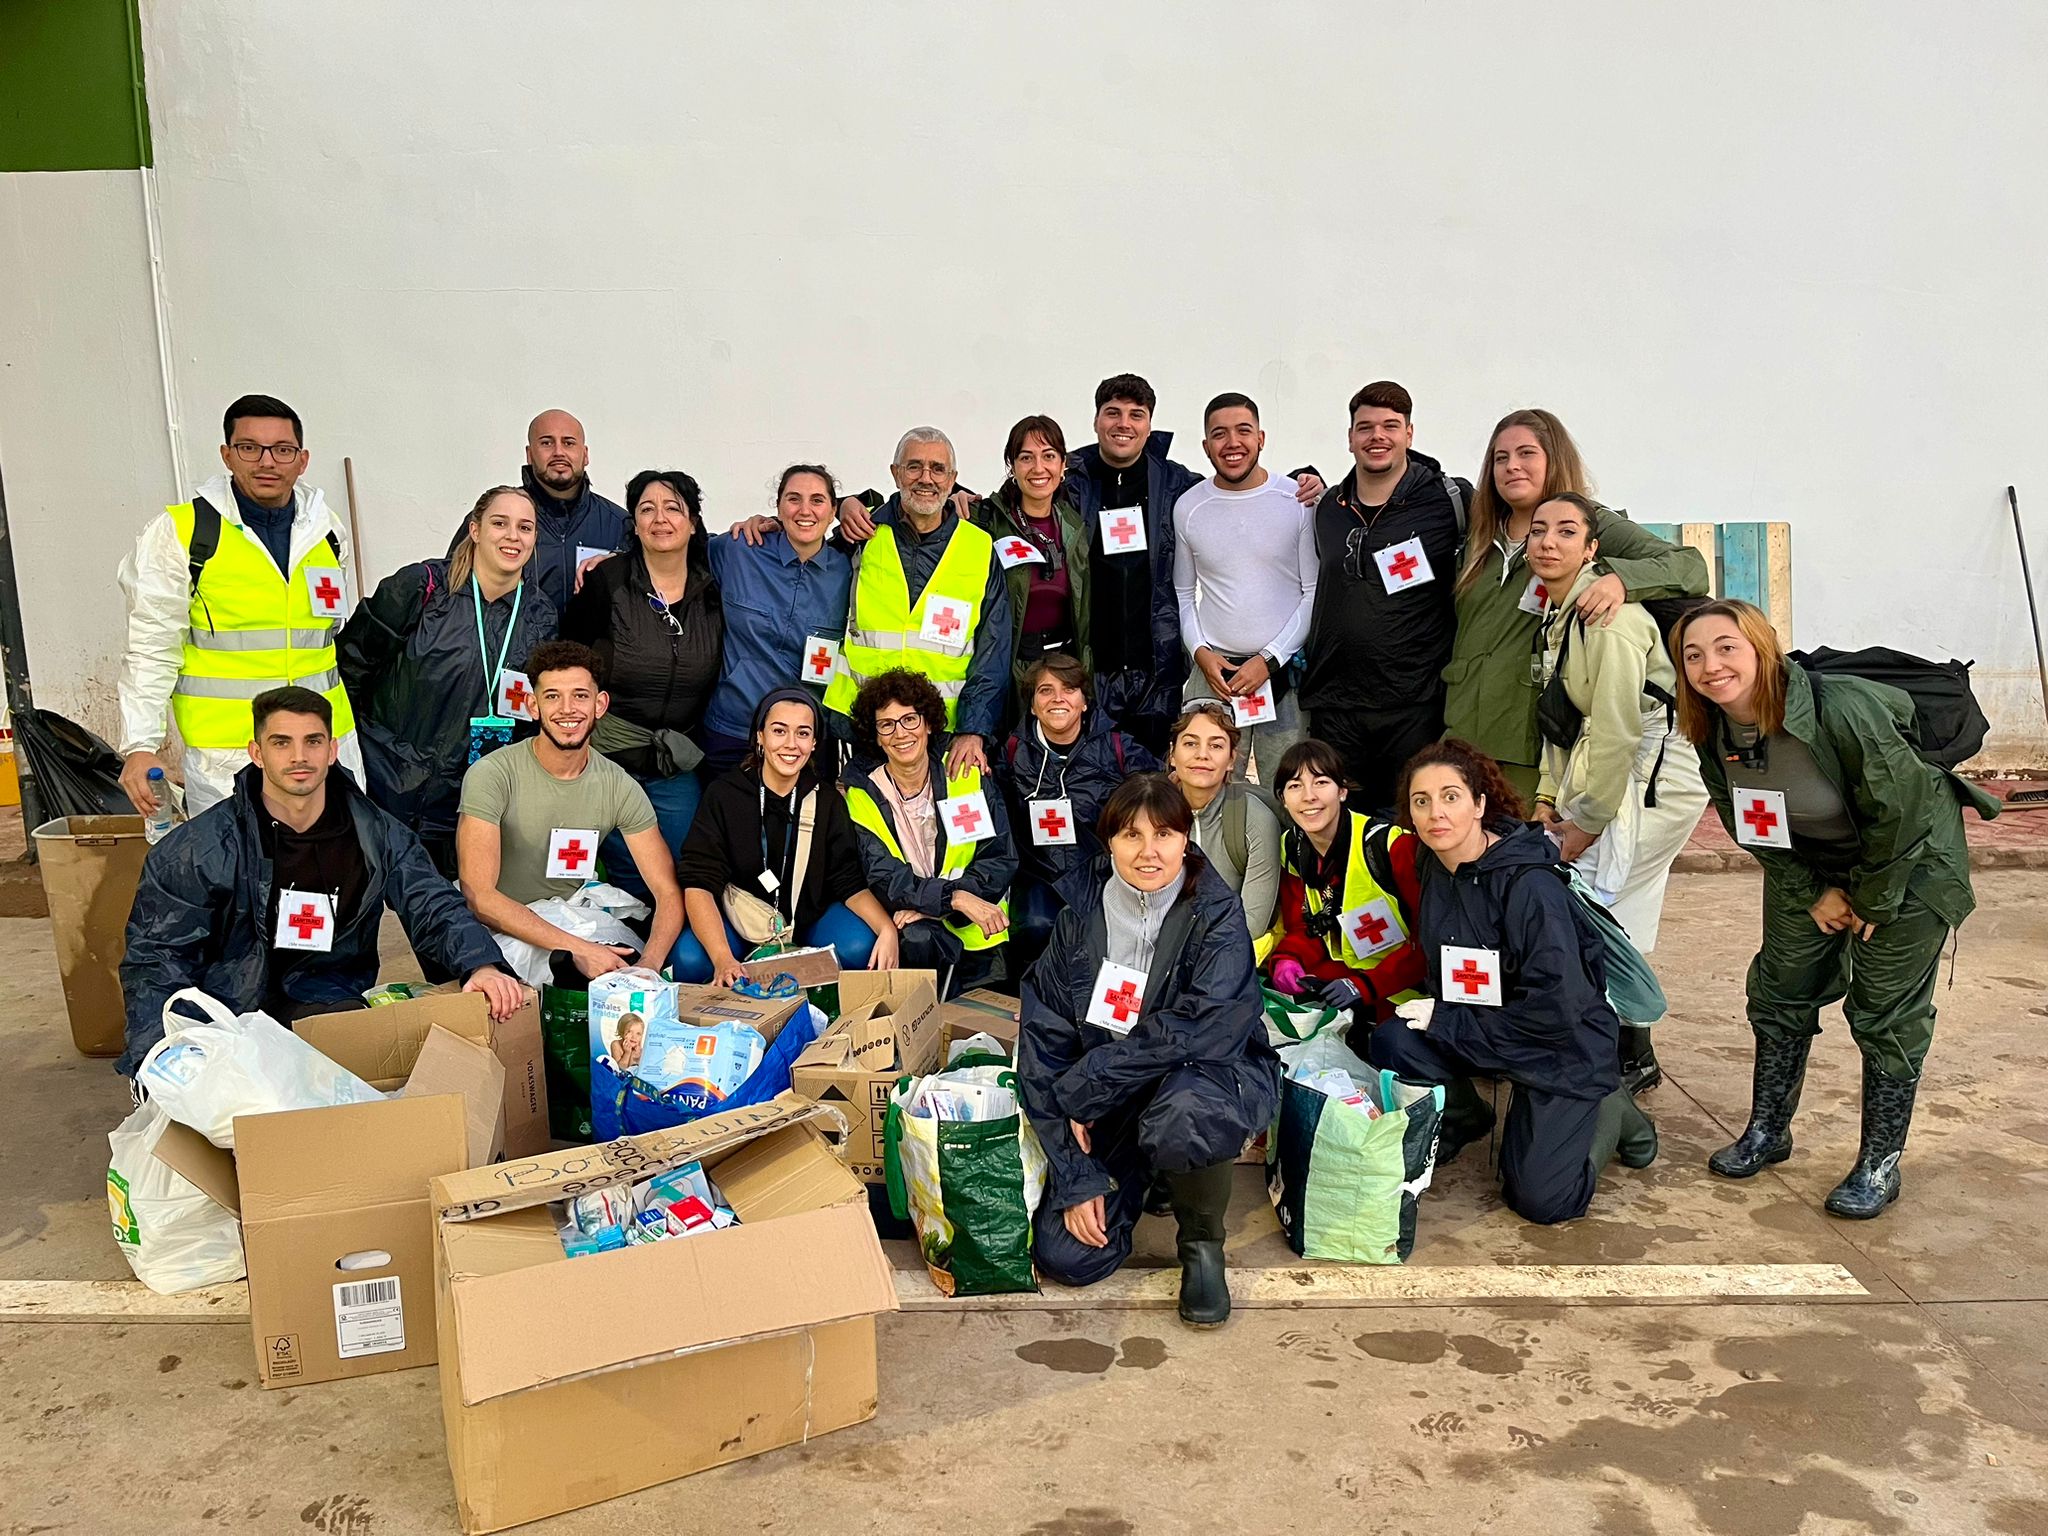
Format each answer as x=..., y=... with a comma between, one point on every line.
x=1768, y=261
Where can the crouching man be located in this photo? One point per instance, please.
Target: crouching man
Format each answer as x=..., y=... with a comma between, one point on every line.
x=272, y=899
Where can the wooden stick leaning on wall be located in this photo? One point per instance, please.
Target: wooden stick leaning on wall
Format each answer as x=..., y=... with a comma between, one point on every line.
x=355, y=527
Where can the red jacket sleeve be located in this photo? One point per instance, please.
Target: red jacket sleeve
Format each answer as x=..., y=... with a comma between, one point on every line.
x=1296, y=943
x=1403, y=970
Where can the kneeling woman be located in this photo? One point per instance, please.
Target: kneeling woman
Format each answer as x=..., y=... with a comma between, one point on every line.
x=1235, y=828
x=936, y=850
x=772, y=856
x=1865, y=875
x=1518, y=988
x=1142, y=1051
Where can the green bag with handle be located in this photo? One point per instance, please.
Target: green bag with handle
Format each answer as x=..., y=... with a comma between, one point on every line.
x=964, y=1166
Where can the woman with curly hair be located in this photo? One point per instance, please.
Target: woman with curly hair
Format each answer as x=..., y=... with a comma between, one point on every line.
x=1517, y=986
x=936, y=849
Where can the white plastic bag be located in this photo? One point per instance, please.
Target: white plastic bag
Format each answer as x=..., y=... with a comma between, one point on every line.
x=595, y=913
x=203, y=1075
x=173, y=1236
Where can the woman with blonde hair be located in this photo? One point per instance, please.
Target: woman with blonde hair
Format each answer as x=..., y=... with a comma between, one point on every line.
x=1490, y=697
x=432, y=662
x=1865, y=876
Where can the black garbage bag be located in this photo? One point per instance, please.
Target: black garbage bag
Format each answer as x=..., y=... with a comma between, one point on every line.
x=75, y=772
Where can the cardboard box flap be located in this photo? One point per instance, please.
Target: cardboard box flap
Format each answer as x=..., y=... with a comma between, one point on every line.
x=661, y=1300
x=808, y=967
x=211, y=1168
x=859, y=988
x=573, y=1170
x=303, y=1162
x=381, y=1044
x=448, y=1063
x=778, y=1176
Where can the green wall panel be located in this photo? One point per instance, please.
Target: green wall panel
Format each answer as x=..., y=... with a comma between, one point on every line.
x=71, y=86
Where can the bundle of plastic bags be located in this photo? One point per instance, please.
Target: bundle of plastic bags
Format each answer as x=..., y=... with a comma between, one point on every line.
x=598, y=912
x=173, y=1235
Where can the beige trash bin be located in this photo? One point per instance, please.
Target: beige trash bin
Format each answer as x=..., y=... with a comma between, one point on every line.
x=91, y=866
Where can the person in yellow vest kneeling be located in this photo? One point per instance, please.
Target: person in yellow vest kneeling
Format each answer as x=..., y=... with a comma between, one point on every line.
x=936, y=846
x=238, y=591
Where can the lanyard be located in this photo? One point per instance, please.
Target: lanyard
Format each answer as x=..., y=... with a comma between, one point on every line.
x=788, y=869
x=493, y=678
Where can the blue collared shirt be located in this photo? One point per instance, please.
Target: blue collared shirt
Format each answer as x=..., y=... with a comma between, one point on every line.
x=773, y=600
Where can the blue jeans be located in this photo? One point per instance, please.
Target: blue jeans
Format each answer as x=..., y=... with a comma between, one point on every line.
x=852, y=939
x=675, y=807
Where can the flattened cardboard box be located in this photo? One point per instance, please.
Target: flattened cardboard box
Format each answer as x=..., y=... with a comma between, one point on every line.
x=393, y=1031
x=336, y=1227
x=980, y=1012
x=565, y=1382
x=889, y=1026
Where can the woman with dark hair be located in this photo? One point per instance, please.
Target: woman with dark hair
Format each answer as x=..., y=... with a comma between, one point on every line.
x=1059, y=767
x=434, y=663
x=1517, y=984
x=936, y=848
x=772, y=858
x=1491, y=691
x=1865, y=876
x=785, y=598
x=654, y=616
x=1142, y=1051
x=1235, y=825
x=1042, y=543
x=1349, y=891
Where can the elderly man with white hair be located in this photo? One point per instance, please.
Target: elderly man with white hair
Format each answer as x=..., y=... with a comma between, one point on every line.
x=930, y=595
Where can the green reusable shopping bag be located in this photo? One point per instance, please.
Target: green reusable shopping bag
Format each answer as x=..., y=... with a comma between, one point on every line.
x=969, y=1187
x=1346, y=1184
x=565, y=1046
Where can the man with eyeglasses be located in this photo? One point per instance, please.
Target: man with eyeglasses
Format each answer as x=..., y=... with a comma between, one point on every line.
x=231, y=594
x=1388, y=538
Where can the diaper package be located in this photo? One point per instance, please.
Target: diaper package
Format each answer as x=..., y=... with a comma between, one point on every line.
x=713, y=1059
x=626, y=1008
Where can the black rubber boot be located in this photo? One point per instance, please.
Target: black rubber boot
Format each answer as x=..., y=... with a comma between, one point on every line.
x=1639, y=1069
x=1874, y=1182
x=1467, y=1118
x=1201, y=1196
x=1158, y=1196
x=1778, y=1075
x=1622, y=1131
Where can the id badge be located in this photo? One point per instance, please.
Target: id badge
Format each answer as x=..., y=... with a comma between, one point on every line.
x=1760, y=819
x=1470, y=976
x=1372, y=928
x=944, y=622
x=572, y=853
x=1403, y=565
x=1254, y=708
x=326, y=591
x=965, y=818
x=305, y=920
x=1117, y=999
x=515, y=695
x=591, y=551
x=820, y=656
x=1052, y=823
x=487, y=733
x=1123, y=529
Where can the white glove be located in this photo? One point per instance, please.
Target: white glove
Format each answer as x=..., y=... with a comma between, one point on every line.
x=1416, y=1014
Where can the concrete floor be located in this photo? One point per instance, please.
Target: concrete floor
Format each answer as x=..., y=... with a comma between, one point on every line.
x=1922, y=1406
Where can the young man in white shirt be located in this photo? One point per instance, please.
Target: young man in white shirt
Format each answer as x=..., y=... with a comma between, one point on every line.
x=1244, y=575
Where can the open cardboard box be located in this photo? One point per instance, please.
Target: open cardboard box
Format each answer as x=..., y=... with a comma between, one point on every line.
x=565, y=1382
x=336, y=1229
x=889, y=1025
x=980, y=1012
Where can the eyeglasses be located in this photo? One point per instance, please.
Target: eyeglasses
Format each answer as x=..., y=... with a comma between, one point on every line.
x=654, y=601
x=253, y=453
x=908, y=723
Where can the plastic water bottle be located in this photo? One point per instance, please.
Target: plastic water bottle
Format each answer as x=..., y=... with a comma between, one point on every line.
x=158, y=821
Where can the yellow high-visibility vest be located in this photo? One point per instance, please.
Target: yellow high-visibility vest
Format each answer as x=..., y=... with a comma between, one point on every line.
x=866, y=812
x=1359, y=888
x=250, y=630
x=884, y=632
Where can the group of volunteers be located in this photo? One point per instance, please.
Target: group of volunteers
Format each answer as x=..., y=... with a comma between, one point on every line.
x=1137, y=744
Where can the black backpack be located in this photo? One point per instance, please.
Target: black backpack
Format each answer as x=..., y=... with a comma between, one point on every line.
x=1948, y=723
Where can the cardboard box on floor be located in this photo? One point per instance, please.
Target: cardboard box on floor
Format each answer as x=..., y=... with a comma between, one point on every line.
x=888, y=1025
x=336, y=1229
x=565, y=1382
x=980, y=1012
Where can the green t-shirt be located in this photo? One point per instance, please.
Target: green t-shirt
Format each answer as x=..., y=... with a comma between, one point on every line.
x=526, y=803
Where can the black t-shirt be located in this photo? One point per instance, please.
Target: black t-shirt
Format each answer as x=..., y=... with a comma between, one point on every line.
x=327, y=858
x=1119, y=585
x=735, y=821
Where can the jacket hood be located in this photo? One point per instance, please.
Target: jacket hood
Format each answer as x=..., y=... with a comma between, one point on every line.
x=1423, y=473
x=1521, y=844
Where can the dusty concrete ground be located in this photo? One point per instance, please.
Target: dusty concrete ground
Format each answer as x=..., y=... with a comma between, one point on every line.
x=1921, y=1407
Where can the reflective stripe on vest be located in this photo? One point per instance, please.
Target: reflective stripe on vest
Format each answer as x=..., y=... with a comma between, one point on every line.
x=866, y=811
x=1359, y=888
x=251, y=630
x=883, y=630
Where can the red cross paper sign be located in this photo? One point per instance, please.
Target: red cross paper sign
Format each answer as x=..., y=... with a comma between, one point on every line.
x=1012, y=552
x=945, y=622
x=820, y=656
x=326, y=591
x=1123, y=529
x=515, y=696
x=305, y=920
x=572, y=853
x=1117, y=999
x=1534, y=596
x=1052, y=823
x=1254, y=708
x=966, y=818
x=1471, y=976
x=1371, y=928
x=1760, y=819
x=1403, y=565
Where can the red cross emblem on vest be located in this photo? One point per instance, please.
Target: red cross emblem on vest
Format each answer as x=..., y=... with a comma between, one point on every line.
x=1471, y=978
x=574, y=853
x=820, y=662
x=306, y=921
x=1053, y=823
x=1017, y=549
x=1369, y=930
x=1123, y=530
x=1760, y=819
x=1403, y=565
x=967, y=819
x=1123, y=1001
x=947, y=622
x=517, y=696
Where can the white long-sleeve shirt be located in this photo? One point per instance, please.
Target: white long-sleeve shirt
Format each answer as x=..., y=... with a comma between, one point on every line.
x=156, y=583
x=1244, y=569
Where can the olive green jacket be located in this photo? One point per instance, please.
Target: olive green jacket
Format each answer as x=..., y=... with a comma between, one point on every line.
x=1000, y=514
x=1909, y=822
x=1490, y=697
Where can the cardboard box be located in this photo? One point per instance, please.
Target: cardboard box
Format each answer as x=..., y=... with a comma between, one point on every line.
x=810, y=967
x=980, y=1012
x=336, y=1228
x=393, y=1033
x=890, y=1026
x=565, y=1382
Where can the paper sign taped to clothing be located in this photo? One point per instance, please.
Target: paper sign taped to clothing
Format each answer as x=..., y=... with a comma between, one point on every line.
x=1403, y=565
x=1052, y=823
x=572, y=853
x=1471, y=976
x=820, y=656
x=1117, y=999
x=305, y=920
x=1371, y=928
x=515, y=696
x=326, y=592
x=1254, y=708
x=1123, y=529
x=965, y=818
x=1534, y=596
x=1013, y=552
x=1760, y=819
x=945, y=622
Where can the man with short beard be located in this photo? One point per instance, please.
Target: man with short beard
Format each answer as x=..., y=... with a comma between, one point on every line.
x=929, y=595
x=578, y=527
x=534, y=813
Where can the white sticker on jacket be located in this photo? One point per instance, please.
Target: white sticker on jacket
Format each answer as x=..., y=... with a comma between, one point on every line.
x=1471, y=976
x=1014, y=551
x=944, y=622
x=1052, y=823
x=1117, y=999
x=572, y=853
x=1403, y=565
x=326, y=591
x=515, y=696
x=591, y=552
x=305, y=920
x=1760, y=819
x=965, y=818
x=1372, y=928
x=820, y=656
x=1254, y=708
x=1123, y=529
x=1534, y=596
